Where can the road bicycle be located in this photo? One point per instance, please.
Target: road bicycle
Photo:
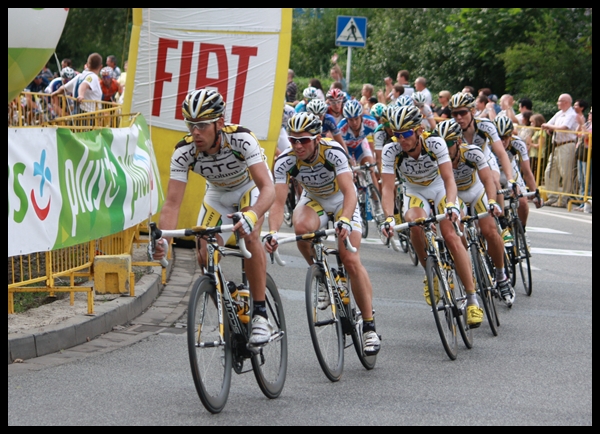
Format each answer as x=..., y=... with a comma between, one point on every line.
x=517, y=251
x=483, y=269
x=218, y=324
x=404, y=235
x=450, y=311
x=329, y=326
x=367, y=191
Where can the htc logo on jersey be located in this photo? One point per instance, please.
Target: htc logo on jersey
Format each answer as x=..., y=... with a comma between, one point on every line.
x=218, y=168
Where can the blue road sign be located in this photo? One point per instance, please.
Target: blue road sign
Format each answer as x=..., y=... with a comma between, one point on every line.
x=351, y=31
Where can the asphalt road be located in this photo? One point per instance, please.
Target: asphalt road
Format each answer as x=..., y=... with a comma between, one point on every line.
x=537, y=371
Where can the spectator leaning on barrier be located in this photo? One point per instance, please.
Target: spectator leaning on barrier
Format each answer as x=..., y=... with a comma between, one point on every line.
x=560, y=160
x=86, y=86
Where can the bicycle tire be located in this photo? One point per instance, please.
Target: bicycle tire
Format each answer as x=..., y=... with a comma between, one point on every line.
x=509, y=259
x=459, y=300
x=484, y=288
x=356, y=322
x=270, y=365
x=325, y=327
x=363, y=216
x=412, y=254
x=442, y=311
x=376, y=207
x=522, y=257
x=211, y=364
x=290, y=204
x=404, y=240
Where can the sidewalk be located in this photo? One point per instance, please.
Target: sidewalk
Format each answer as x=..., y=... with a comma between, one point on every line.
x=115, y=323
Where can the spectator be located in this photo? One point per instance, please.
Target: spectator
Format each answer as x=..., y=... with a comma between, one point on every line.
x=366, y=93
x=525, y=105
x=308, y=94
x=421, y=86
x=336, y=73
x=38, y=85
x=403, y=78
x=493, y=102
x=536, y=143
x=122, y=80
x=109, y=85
x=469, y=89
x=47, y=73
x=291, y=89
x=87, y=85
x=66, y=75
x=559, y=170
x=525, y=133
x=581, y=150
x=481, y=107
x=443, y=111
x=316, y=83
x=111, y=61
x=506, y=105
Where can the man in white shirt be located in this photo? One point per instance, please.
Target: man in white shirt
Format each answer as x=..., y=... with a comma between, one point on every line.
x=561, y=160
x=86, y=86
x=421, y=86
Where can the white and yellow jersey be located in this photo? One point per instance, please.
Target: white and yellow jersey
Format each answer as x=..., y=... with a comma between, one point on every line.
x=420, y=171
x=226, y=170
x=319, y=177
x=471, y=159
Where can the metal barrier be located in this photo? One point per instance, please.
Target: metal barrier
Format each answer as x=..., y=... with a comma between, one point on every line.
x=60, y=271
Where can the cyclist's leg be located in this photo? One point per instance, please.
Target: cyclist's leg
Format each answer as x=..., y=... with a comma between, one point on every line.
x=416, y=206
x=309, y=216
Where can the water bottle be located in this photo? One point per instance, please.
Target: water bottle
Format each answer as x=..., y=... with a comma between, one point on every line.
x=243, y=303
x=342, y=285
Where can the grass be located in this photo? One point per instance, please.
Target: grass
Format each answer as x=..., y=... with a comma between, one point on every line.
x=30, y=300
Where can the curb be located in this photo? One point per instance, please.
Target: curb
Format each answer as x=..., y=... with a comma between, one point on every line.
x=83, y=328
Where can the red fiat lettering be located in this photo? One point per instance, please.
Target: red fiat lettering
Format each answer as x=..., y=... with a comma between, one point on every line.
x=161, y=74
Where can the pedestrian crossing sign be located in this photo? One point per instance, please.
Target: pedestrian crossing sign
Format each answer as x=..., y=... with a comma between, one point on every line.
x=351, y=31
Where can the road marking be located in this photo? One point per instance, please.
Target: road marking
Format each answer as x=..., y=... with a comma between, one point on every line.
x=561, y=252
x=546, y=231
x=567, y=217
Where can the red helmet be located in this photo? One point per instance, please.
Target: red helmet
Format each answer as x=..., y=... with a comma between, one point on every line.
x=335, y=94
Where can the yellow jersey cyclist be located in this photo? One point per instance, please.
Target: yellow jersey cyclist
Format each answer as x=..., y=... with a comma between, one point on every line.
x=516, y=149
x=422, y=160
x=321, y=167
x=238, y=180
x=483, y=133
x=475, y=184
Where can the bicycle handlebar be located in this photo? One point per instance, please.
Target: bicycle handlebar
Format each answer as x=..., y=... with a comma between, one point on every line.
x=307, y=237
x=156, y=234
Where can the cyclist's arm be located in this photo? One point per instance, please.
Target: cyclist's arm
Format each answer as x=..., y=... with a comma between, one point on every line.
x=338, y=138
x=500, y=153
x=527, y=175
x=388, y=193
x=262, y=178
x=447, y=174
x=346, y=183
x=276, y=211
x=169, y=215
x=487, y=179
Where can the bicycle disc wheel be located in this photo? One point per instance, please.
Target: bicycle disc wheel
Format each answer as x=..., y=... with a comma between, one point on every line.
x=442, y=310
x=522, y=257
x=356, y=322
x=325, y=327
x=459, y=300
x=484, y=288
x=210, y=353
x=270, y=365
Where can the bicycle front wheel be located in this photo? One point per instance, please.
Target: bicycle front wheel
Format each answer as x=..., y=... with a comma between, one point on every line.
x=442, y=310
x=522, y=257
x=209, y=346
x=362, y=205
x=270, y=364
x=356, y=321
x=412, y=254
x=484, y=288
x=324, y=325
x=459, y=300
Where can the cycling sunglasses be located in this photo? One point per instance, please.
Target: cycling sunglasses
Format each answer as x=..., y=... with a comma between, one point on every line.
x=461, y=113
x=201, y=125
x=301, y=140
x=403, y=134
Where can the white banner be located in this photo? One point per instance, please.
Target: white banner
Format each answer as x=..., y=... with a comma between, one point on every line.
x=231, y=50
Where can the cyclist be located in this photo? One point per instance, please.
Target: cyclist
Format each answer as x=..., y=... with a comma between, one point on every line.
x=238, y=181
x=483, y=133
x=422, y=160
x=475, y=184
x=516, y=149
x=357, y=131
x=319, y=109
x=282, y=140
x=335, y=103
x=321, y=167
x=308, y=94
x=66, y=75
x=109, y=84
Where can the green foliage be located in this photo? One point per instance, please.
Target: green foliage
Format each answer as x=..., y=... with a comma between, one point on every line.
x=95, y=30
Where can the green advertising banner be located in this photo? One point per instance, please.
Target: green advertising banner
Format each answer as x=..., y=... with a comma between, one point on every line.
x=66, y=188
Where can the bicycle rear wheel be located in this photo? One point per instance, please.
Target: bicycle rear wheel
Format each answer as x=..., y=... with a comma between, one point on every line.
x=290, y=204
x=270, y=364
x=412, y=254
x=210, y=352
x=442, y=310
x=484, y=288
x=356, y=321
x=325, y=326
x=522, y=257
x=362, y=204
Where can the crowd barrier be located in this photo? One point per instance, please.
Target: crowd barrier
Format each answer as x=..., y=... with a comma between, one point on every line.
x=69, y=270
